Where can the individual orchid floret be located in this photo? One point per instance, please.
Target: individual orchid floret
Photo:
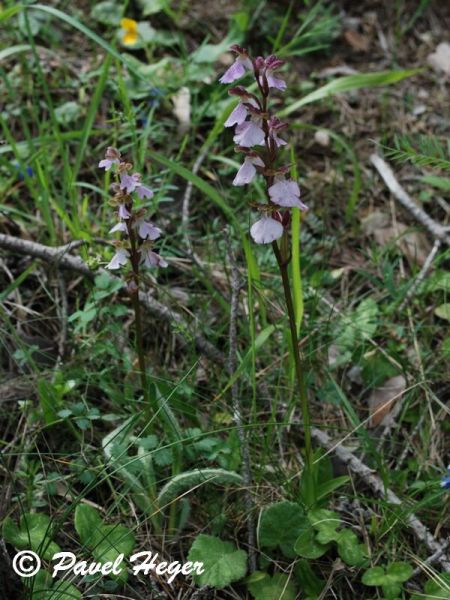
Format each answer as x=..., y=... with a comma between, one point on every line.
x=249, y=133
x=151, y=259
x=248, y=169
x=147, y=230
x=122, y=227
x=241, y=64
x=240, y=112
x=124, y=213
x=132, y=183
x=286, y=193
x=112, y=157
x=128, y=182
x=275, y=126
x=266, y=230
x=119, y=259
x=272, y=63
x=143, y=191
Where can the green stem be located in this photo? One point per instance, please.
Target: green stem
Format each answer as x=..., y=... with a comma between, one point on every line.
x=299, y=370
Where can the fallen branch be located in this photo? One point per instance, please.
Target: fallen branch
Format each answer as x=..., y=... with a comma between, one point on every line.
x=375, y=483
x=59, y=257
x=437, y=231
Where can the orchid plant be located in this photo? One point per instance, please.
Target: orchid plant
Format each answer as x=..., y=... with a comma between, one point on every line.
x=257, y=135
x=136, y=248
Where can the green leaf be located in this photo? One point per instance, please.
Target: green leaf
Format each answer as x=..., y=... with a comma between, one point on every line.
x=441, y=183
x=87, y=522
x=46, y=588
x=191, y=480
x=108, y=13
x=67, y=112
x=326, y=488
x=437, y=588
x=399, y=571
x=151, y=7
x=223, y=563
x=375, y=576
x=280, y=525
x=106, y=542
x=33, y=532
x=349, y=548
x=325, y=522
x=307, y=546
x=268, y=588
x=309, y=582
x=443, y=311
x=348, y=83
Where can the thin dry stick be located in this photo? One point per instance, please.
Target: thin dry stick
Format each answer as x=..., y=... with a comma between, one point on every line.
x=437, y=230
x=236, y=286
x=375, y=483
x=421, y=275
x=59, y=257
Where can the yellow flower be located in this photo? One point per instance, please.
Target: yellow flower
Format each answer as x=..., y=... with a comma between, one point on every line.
x=130, y=27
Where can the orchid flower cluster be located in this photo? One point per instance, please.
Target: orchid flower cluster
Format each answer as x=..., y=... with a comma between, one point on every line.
x=140, y=234
x=255, y=126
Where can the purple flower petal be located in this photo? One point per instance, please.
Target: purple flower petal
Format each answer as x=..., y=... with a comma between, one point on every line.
x=119, y=259
x=106, y=163
x=236, y=70
x=275, y=82
x=143, y=192
x=147, y=230
x=266, y=230
x=286, y=193
x=237, y=117
x=249, y=134
x=123, y=212
x=247, y=171
x=152, y=259
x=128, y=183
x=119, y=227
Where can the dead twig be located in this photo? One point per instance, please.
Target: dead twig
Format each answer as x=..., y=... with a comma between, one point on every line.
x=375, y=483
x=437, y=231
x=59, y=257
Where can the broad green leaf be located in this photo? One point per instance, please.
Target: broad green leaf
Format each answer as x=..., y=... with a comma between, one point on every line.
x=280, y=525
x=309, y=582
x=191, y=480
x=307, y=546
x=87, y=522
x=437, y=588
x=223, y=563
x=325, y=522
x=33, y=532
x=399, y=571
x=349, y=548
x=11, y=50
x=268, y=588
x=443, y=311
x=375, y=576
x=46, y=588
x=106, y=542
x=107, y=12
x=348, y=83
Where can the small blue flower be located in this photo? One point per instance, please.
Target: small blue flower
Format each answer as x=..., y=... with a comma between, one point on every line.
x=28, y=171
x=445, y=481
